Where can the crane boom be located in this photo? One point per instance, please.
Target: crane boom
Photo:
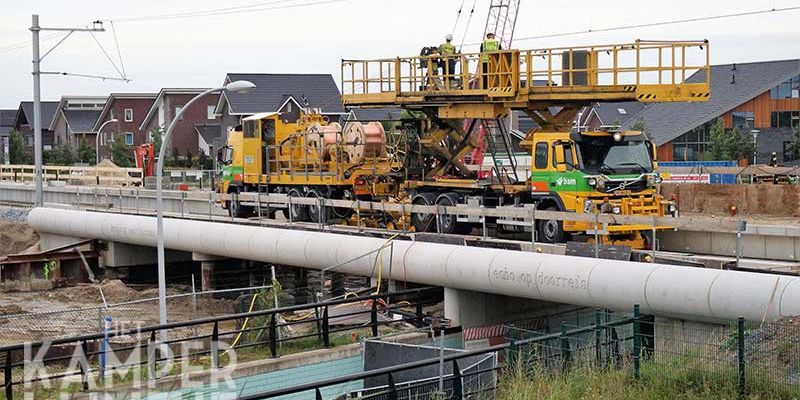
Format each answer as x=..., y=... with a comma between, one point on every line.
x=502, y=20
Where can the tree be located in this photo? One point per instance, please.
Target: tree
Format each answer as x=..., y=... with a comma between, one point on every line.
x=86, y=154
x=62, y=154
x=793, y=149
x=16, y=149
x=639, y=126
x=189, y=159
x=121, y=154
x=157, y=135
x=728, y=144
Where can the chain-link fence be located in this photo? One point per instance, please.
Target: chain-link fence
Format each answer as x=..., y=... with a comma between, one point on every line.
x=19, y=328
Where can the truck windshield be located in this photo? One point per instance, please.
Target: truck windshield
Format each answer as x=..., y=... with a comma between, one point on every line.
x=606, y=156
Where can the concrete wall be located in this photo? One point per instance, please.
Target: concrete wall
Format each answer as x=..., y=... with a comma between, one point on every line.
x=763, y=199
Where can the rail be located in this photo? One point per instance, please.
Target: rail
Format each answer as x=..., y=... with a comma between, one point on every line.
x=646, y=71
x=90, y=353
x=205, y=205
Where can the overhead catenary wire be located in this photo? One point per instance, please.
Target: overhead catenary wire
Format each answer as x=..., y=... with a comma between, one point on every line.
x=119, y=52
x=466, y=29
x=108, y=57
x=458, y=17
x=659, y=23
x=274, y=5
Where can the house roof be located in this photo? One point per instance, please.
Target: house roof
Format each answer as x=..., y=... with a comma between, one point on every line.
x=116, y=96
x=209, y=132
x=49, y=109
x=272, y=90
x=81, y=121
x=167, y=92
x=617, y=113
x=7, y=118
x=731, y=85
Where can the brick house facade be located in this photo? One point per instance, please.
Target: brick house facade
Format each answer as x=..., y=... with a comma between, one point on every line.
x=129, y=109
x=185, y=136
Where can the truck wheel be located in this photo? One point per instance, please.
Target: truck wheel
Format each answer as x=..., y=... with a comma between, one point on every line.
x=315, y=213
x=299, y=212
x=423, y=222
x=448, y=223
x=550, y=230
x=235, y=207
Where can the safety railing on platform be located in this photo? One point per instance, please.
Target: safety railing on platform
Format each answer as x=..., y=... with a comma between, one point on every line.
x=151, y=351
x=508, y=73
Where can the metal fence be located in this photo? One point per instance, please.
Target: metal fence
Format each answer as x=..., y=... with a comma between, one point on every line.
x=729, y=359
x=151, y=351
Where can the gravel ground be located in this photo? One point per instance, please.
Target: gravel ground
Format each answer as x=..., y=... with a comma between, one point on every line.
x=11, y=214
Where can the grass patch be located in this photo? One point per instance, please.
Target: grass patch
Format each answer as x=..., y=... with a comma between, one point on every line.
x=657, y=382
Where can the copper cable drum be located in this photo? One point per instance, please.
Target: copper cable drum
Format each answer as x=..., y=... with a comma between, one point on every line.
x=364, y=140
x=322, y=137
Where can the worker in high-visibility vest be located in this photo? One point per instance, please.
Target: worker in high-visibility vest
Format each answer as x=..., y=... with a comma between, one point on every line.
x=488, y=45
x=447, y=50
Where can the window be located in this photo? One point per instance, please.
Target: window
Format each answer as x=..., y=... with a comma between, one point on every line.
x=178, y=111
x=622, y=111
x=787, y=154
x=540, y=161
x=784, y=119
x=128, y=115
x=743, y=120
x=690, y=145
x=251, y=129
x=129, y=138
x=788, y=89
x=289, y=106
x=567, y=157
x=210, y=114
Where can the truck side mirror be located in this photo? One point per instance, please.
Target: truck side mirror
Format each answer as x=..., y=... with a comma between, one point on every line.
x=225, y=155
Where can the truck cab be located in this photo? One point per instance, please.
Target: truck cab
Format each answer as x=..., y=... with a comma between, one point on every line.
x=596, y=172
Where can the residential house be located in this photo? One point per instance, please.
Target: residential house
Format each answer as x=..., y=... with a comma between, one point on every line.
x=209, y=138
x=130, y=110
x=6, y=125
x=608, y=116
x=284, y=93
x=23, y=123
x=759, y=99
x=75, y=118
x=185, y=137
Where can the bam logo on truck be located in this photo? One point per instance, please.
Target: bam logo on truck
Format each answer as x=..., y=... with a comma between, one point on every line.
x=561, y=181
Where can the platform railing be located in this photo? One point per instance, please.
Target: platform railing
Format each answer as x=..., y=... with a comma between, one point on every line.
x=508, y=73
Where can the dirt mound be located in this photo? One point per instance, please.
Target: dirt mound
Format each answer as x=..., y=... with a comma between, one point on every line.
x=114, y=291
x=17, y=238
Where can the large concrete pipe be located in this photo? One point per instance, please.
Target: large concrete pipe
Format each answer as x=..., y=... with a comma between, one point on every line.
x=659, y=289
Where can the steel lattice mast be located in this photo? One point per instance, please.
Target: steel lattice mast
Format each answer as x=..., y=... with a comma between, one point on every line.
x=502, y=20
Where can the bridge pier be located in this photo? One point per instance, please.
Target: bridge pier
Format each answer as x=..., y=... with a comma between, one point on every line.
x=470, y=309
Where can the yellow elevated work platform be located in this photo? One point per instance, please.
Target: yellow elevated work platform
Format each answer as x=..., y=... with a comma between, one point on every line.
x=646, y=71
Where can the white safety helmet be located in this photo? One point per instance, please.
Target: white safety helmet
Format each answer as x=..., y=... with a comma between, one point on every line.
x=449, y=37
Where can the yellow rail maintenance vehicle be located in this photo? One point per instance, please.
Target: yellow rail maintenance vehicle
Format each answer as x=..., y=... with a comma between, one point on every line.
x=309, y=157
x=465, y=109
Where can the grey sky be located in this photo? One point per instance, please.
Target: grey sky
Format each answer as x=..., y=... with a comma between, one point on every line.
x=197, y=52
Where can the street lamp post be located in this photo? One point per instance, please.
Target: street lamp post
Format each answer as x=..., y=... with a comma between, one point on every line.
x=755, y=145
x=237, y=87
x=97, y=139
